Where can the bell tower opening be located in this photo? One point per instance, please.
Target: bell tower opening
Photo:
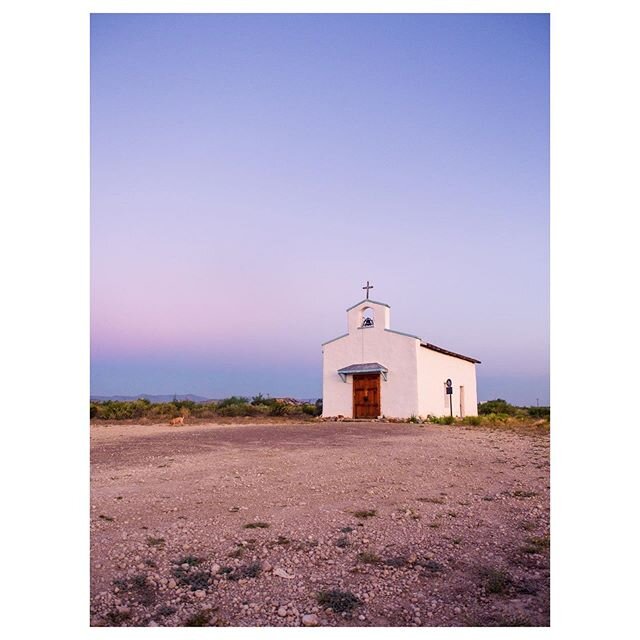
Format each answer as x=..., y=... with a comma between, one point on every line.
x=368, y=317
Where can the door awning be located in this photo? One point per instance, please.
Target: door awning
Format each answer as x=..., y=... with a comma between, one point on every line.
x=367, y=367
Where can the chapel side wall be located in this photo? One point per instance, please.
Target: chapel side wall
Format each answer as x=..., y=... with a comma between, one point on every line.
x=398, y=393
x=433, y=369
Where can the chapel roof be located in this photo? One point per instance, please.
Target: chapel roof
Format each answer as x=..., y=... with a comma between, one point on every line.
x=446, y=352
x=353, y=306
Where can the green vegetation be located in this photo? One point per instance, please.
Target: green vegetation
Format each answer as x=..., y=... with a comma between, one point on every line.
x=496, y=413
x=503, y=408
x=232, y=407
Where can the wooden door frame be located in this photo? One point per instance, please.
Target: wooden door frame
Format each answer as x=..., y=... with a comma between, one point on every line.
x=378, y=378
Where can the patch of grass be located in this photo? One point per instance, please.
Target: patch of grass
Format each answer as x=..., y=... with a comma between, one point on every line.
x=346, y=529
x=115, y=618
x=434, y=525
x=155, y=542
x=257, y=525
x=366, y=557
x=452, y=514
x=200, y=619
x=192, y=561
x=247, y=571
x=137, y=587
x=536, y=545
x=165, y=610
x=194, y=579
x=236, y=553
x=431, y=566
x=495, y=580
x=342, y=542
x=518, y=493
x=106, y=518
x=432, y=500
x=283, y=540
x=396, y=562
x=456, y=540
x=363, y=514
x=339, y=601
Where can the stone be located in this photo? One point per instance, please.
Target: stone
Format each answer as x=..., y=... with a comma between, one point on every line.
x=215, y=568
x=267, y=566
x=282, y=611
x=200, y=594
x=310, y=620
x=281, y=573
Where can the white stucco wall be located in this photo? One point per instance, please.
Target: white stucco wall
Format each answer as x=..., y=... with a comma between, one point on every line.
x=433, y=370
x=399, y=393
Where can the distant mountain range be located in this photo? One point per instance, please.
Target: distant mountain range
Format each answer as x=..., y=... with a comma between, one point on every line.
x=169, y=398
x=154, y=399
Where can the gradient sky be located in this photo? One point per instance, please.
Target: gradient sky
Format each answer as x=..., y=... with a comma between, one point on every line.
x=251, y=172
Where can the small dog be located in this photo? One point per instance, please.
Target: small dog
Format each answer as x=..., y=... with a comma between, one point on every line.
x=177, y=421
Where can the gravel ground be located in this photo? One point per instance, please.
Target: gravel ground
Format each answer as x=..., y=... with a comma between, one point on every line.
x=318, y=524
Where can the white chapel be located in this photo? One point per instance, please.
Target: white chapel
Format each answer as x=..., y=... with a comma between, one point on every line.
x=374, y=371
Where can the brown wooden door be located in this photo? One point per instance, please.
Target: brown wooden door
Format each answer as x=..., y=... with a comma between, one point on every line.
x=366, y=395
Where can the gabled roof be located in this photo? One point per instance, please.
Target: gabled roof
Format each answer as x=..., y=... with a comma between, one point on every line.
x=433, y=347
x=353, y=306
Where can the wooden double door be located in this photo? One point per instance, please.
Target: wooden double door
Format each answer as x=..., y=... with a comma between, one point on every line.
x=366, y=395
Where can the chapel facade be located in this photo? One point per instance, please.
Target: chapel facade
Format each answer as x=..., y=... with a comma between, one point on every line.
x=373, y=371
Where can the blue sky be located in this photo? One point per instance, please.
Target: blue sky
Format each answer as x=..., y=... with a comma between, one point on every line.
x=251, y=172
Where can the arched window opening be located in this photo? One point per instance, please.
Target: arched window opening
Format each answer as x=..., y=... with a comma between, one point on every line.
x=367, y=317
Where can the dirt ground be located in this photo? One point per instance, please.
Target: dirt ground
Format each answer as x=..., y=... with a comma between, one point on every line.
x=318, y=524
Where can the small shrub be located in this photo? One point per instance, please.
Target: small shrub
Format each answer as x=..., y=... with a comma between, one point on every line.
x=430, y=565
x=200, y=619
x=339, y=601
x=495, y=580
x=342, y=542
x=496, y=406
x=536, y=545
x=192, y=561
x=247, y=571
x=364, y=514
x=474, y=421
x=155, y=542
x=279, y=409
x=366, y=557
x=257, y=525
x=196, y=580
x=518, y=493
x=433, y=500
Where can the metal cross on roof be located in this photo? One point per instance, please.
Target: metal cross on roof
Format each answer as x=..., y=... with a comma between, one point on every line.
x=369, y=286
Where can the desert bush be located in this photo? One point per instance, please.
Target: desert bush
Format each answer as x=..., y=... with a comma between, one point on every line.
x=231, y=401
x=472, y=420
x=237, y=409
x=496, y=406
x=539, y=412
x=280, y=409
x=309, y=409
